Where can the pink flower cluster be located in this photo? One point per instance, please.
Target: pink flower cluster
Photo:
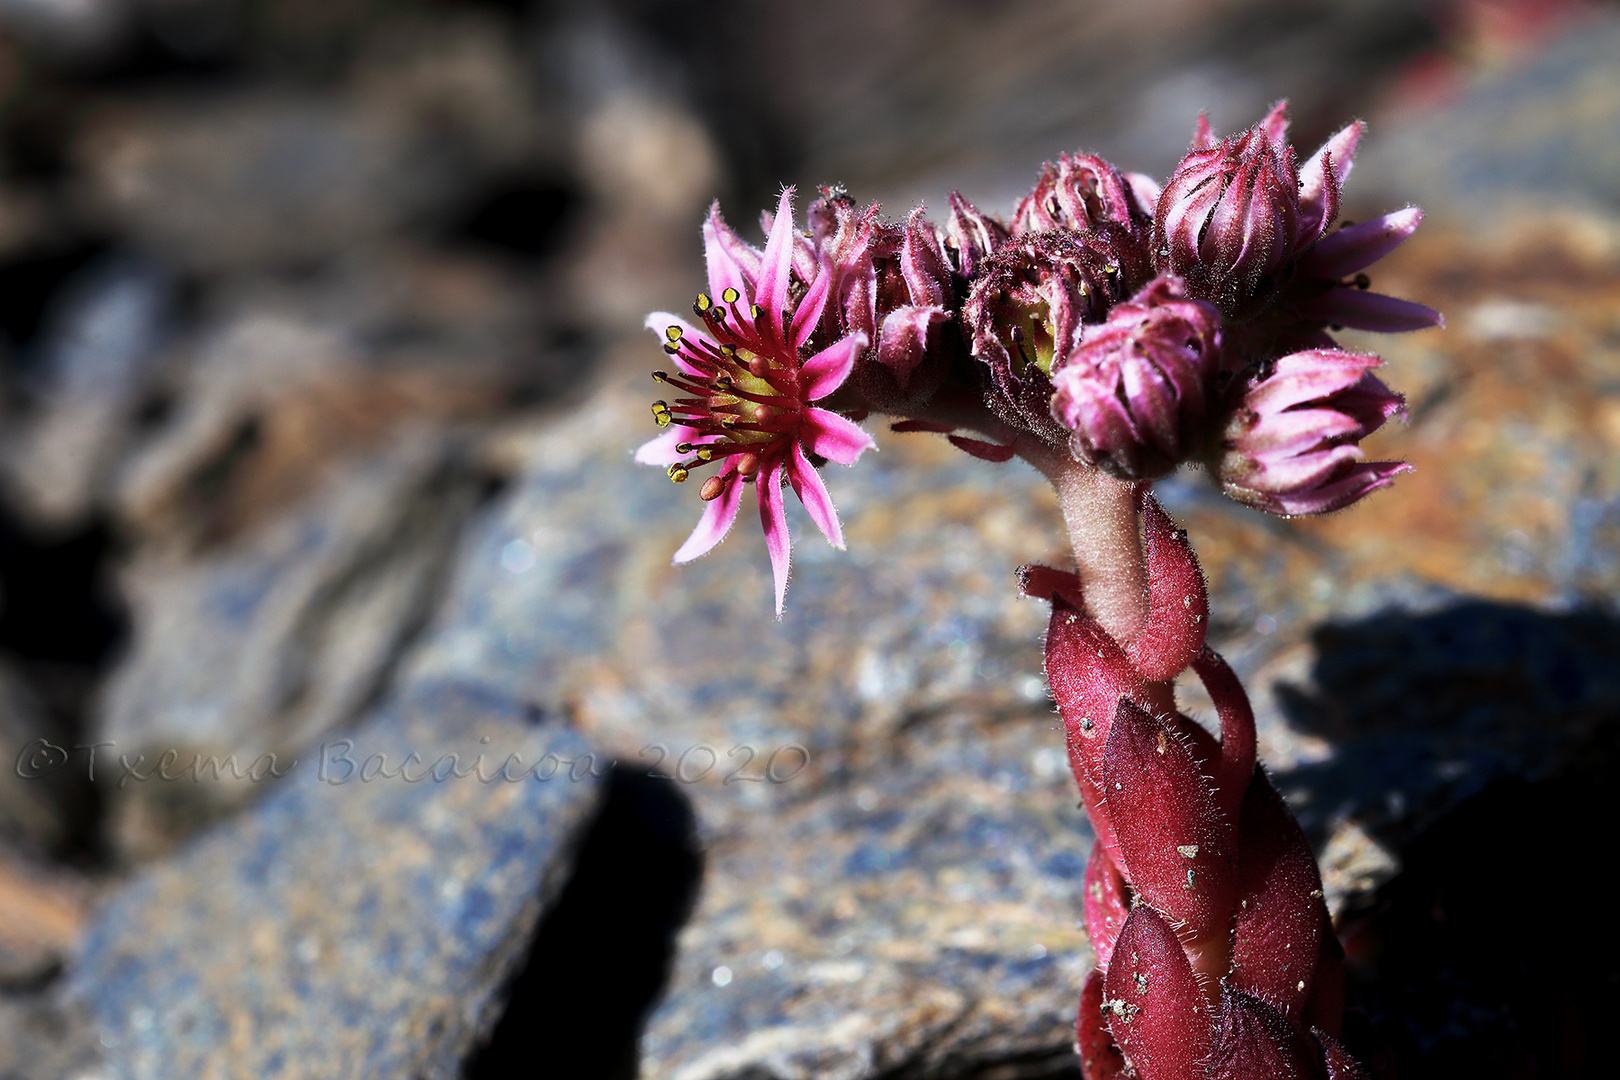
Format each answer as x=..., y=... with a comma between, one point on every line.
x=1132, y=328
x=1216, y=958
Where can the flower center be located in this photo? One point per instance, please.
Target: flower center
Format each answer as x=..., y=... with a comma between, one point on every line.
x=743, y=397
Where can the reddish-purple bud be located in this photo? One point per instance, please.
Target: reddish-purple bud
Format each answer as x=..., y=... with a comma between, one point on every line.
x=1290, y=447
x=1229, y=220
x=1028, y=307
x=1156, y=1009
x=1135, y=393
x=1082, y=192
x=1175, y=848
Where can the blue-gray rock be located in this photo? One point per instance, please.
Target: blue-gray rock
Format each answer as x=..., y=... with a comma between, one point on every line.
x=358, y=921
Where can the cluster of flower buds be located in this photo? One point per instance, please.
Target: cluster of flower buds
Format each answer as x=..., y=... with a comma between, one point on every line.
x=1216, y=958
x=1128, y=328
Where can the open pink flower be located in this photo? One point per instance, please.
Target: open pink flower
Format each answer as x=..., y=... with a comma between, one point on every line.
x=748, y=390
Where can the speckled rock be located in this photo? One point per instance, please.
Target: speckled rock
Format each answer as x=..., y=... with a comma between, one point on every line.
x=354, y=923
x=263, y=646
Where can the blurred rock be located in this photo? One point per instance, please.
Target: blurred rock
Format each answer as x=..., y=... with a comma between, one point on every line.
x=33, y=801
x=352, y=924
x=277, y=177
x=91, y=376
x=265, y=645
x=38, y=1041
x=42, y=912
x=1533, y=137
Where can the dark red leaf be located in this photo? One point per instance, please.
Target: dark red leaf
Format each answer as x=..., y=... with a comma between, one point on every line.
x=1235, y=766
x=1256, y=1042
x=986, y=451
x=1277, y=937
x=1178, y=603
x=1154, y=1004
x=1107, y=903
x=1100, y=1059
x=1174, y=846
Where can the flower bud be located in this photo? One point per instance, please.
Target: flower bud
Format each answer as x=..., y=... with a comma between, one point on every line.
x=1026, y=311
x=1290, y=447
x=1229, y=220
x=1135, y=394
x=1080, y=192
x=971, y=237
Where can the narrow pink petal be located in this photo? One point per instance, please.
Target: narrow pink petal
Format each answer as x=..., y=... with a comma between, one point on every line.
x=804, y=256
x=1298, y=430
x=808, y=313
x=660, y=450
x=659, y=323
x=1361, y=310
x=1365, y=478
x=718, y=515
x=1332, y=160
x=773, y=517
x=1356, y=247
x=808, y=486
x=1275, y=126
x=1203, y=138
x=1287, y=475
x=826, y=371
x=1308, y=376
x=721, y=247
x=772, y=291
x=834, y=437
x=903, y=342
x=1145, y=190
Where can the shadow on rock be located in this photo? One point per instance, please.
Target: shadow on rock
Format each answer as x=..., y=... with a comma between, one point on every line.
x=602, y=955
x=1469, y=965
x=1427, y=710
x=1481, y=743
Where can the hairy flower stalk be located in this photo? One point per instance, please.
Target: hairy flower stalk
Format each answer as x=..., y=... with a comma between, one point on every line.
x=1109, y=333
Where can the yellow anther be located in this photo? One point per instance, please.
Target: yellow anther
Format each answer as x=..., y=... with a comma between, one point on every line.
x=703, y=302
x=757, y=311
x=660, y=376
x=731, y=296
x=728, y=350
x=673, y=333
x=678, y=473
x=705, y=454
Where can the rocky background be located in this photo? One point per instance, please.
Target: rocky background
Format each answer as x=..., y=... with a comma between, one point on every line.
x=320, y=365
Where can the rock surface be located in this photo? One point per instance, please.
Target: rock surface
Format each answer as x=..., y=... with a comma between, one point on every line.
x=356, y=461
x=353, y=924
